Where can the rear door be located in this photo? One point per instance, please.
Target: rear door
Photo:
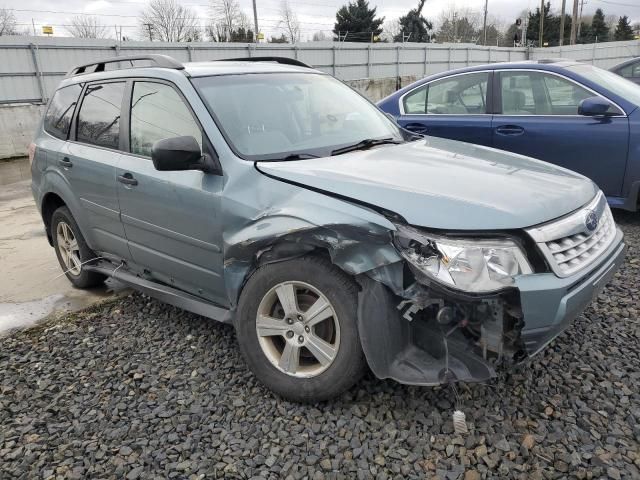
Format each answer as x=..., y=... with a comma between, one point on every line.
x=539, y=118
x=89, y=161
x=172, y=219
x=453, y=107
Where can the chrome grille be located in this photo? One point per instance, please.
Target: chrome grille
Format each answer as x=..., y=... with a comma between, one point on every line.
x=569, y=245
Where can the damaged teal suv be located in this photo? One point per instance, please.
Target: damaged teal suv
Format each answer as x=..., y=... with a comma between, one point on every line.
x=269, y=195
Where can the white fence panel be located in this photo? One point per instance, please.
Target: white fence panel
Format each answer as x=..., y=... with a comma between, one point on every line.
x=31, y=67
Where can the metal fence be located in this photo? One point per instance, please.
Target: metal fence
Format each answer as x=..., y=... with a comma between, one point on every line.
x=31, y=67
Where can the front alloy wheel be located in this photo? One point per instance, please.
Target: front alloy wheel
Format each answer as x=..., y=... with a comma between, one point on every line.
x=298, y=329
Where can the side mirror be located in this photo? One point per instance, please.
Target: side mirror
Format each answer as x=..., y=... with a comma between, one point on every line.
x=594, y=107
x=177, y=153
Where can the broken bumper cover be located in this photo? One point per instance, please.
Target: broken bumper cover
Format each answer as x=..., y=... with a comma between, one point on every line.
x=550, y=304
x=422, y=351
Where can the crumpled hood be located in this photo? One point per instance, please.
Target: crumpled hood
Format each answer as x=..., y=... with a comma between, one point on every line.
x=439, y=183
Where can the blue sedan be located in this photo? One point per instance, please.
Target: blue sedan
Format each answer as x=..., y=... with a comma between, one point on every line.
x=564, y=112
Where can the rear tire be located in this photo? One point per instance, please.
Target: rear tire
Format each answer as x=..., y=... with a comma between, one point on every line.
x=72, y=250
x=297, y=329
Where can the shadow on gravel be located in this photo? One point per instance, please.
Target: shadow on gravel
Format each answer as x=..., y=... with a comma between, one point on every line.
x=137, y=389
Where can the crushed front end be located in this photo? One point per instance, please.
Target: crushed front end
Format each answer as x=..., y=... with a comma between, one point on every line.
x=460, y=306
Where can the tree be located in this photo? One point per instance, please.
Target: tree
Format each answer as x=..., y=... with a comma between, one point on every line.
x=8, y=22
x=280, y=39
x=289, y=22
x=357, y=22
x=319, y=36
x=84, y=26
x=459, y=26
x=599, y=27
x=413, y=26
x=168, y=21
x=228, y=21
x=624, y=31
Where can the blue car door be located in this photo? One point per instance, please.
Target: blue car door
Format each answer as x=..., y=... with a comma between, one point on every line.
x=539, y=118
x=452, y=107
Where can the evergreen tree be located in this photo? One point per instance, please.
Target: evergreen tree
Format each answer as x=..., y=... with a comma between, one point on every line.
x=624, y=31
x=533, y=26
x=414, y=26
x=358, y=22
x=599, y=27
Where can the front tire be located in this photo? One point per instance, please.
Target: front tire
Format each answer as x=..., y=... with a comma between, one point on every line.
x=297, y=329
x=72, y=250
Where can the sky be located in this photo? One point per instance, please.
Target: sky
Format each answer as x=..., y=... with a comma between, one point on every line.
x=313, y=15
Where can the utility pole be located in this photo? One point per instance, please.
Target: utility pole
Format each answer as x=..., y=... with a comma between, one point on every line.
x=580, y=18
x=561, y=41
x=148, y=25
x=541, y=23
x=455, y=27
x=255, y=19
x=574, y=23
x=484, y=22
x=34, y=27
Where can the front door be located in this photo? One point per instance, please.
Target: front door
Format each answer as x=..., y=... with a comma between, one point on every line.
x=452, y=107
x=540, y=119
x=171, y=219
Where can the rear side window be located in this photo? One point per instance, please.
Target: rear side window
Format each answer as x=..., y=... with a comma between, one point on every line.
x=158, y=112
x=99, y=116
x=457, y=95
x=60, y=112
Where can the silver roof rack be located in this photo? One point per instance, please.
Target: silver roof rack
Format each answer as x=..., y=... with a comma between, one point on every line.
x=163, y=61
x=282, y=60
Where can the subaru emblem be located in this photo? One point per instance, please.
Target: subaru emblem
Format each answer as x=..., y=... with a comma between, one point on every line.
x=591, y=221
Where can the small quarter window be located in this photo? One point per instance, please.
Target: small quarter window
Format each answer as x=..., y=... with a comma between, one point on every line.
x=60, y=112
x=99, y=116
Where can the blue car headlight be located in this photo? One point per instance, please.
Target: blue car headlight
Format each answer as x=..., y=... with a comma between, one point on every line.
x=470, y=265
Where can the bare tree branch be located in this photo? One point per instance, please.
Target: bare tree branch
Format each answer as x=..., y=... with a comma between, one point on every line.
x=84, y=26
x=8, y=22
x=168, y=21
x=289, y=22
x=227, y=18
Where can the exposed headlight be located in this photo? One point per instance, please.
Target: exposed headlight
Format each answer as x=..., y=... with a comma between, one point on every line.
x=471, y=265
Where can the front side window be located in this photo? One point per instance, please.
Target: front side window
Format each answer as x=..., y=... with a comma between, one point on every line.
x=609, y=82
x=540, y=93
x=458, y=95
x=266, y=116
x=158, y=112
x=99, y=116
x=60, y=112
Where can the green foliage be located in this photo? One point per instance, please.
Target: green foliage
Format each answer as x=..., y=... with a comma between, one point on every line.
x=599, y=27
x=280, y=39
x=414, y=26
x=551, y=27
x=624, y=31
x=358, y=22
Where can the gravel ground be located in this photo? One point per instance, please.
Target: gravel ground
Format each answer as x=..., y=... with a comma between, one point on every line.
x=137, y=389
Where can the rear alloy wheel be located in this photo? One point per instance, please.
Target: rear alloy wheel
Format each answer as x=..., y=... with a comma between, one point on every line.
x=297, y=328
x=72, y=250
x=68, y=249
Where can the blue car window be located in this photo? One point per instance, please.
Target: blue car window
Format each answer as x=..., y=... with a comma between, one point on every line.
x=458, y=95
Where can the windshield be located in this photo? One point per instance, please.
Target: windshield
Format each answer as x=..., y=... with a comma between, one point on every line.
x=609, y=80
x=277, y=115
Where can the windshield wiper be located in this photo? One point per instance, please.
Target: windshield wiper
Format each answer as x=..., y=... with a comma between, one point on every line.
x=365, y=144
x=293, y=156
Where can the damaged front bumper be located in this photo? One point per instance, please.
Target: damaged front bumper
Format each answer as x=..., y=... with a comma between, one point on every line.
x=453, y=338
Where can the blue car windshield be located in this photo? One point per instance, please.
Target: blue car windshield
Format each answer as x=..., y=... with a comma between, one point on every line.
x=610, y=81
x=268, y=116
